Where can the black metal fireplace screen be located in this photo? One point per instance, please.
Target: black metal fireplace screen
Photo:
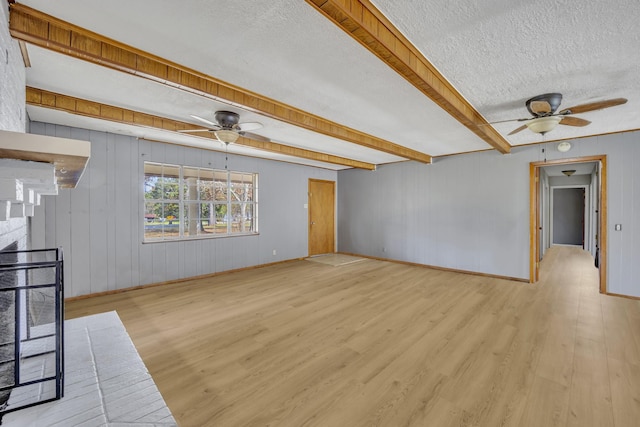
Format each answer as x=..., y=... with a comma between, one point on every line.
x=31, y=328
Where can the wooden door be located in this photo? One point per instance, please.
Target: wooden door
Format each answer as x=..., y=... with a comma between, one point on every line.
x=321, y=216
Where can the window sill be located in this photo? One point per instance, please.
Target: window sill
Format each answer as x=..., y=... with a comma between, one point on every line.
x=188, y=239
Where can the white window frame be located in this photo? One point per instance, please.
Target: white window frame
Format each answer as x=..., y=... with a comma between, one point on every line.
x=251, y=179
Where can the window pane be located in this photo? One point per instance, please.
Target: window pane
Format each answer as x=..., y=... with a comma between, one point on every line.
x=191, y=219
x=221, y=191
x=161, y=221
x=153, y=220
x=241, y=214
x=170, y=182
x=221, y=218
x=249, y=218
x=207, y=219
x=206, y=190
x=152, y=181
x=171, y=224
x=190, y=189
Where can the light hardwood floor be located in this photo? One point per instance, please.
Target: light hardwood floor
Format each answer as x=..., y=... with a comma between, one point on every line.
x=385, y=344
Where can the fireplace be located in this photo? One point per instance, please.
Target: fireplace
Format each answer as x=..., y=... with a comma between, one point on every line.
x=31, y=327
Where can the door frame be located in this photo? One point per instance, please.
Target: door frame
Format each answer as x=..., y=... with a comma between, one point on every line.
x=585, y=213
x=534, y=219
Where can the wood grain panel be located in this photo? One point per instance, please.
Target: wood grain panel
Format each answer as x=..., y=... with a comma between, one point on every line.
x=361, y=20
x=69, y=104
x=36, y=27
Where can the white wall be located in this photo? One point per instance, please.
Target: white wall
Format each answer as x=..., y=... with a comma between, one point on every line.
x=12, y=81
x=471, y=212
x=99, y=223
x=12, y=114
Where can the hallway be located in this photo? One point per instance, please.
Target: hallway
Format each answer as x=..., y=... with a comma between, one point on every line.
x=599, y=359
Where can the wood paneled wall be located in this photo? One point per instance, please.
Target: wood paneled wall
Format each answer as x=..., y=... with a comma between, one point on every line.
x=99, y=223
x=471, y=212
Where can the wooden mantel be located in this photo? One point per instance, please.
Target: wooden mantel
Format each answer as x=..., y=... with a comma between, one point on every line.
x=69, y=156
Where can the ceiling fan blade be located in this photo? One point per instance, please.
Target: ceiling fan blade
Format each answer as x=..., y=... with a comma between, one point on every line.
x=254, y=136
x=520, y=129
x=574, y=121
x=508, y=121
x=195, y=130
x=540, y=107
x=249, y=126
x=209, y=122
x=592, y=106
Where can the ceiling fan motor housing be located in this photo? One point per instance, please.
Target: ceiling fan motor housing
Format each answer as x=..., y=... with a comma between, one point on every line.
x=552, y=99
x=227, y=119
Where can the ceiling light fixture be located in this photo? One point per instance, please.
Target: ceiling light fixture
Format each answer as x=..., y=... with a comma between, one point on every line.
x=543, y=125
x=569, y=172
x=564, y=146
x=226, y=136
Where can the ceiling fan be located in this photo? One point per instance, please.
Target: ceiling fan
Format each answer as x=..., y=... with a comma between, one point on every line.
x=227, y=128
x=543, y=109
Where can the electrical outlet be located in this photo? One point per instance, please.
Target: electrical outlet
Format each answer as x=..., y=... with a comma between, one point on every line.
x=618, y=227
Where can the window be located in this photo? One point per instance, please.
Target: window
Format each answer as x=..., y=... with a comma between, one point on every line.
x=183, y=202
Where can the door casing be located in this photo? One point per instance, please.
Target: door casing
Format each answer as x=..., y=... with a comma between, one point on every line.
x=534, y=210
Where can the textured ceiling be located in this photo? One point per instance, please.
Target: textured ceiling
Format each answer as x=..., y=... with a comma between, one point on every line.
x=499, y=53
x=496, y=54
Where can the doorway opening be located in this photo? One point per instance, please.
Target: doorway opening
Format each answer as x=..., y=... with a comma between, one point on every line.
x=589, y=182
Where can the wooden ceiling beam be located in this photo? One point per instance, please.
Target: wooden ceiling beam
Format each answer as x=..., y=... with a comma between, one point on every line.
x=96, y=110
x=45, y=31
x=367, y=25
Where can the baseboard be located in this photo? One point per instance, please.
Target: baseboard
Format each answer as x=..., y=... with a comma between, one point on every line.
x=169, y=282
x=623, y=296
x=435, y=267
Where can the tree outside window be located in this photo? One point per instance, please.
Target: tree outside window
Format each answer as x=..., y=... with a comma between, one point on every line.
x=187, y=202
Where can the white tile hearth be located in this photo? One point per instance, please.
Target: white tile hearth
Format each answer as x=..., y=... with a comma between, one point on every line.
x=106, y=382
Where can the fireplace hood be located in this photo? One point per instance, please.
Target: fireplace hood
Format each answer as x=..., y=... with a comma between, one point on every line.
x=68, y=156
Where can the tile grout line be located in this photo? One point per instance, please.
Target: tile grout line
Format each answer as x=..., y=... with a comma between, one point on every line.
x=95, y=371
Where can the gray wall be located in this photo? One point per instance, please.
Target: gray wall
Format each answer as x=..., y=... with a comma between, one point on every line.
x=568, y=216
x=471, y=212
x=99, y=223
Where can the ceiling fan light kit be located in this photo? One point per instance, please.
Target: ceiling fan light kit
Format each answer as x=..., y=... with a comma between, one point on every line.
x=226, y=136
x=543, y=125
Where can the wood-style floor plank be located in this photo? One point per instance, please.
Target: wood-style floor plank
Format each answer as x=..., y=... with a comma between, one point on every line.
x=386, y=344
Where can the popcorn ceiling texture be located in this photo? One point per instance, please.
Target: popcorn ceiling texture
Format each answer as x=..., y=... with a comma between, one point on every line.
x=499, y=53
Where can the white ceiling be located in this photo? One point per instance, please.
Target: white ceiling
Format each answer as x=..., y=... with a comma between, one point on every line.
x=497, y=54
